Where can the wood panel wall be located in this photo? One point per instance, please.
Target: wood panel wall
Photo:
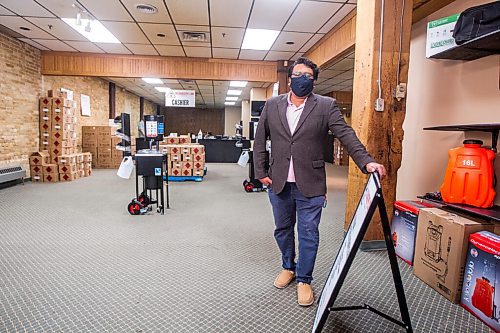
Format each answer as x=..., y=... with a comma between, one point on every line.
x=191, y=120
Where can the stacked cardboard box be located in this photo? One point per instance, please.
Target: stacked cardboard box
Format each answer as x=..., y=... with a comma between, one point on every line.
x=340, y=156
x=74, y=166
x=101, y=143
x=184, y=159
x=57, y=125
x=38, y=161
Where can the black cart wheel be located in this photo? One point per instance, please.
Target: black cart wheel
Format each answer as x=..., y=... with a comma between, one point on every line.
x=245, y=182
x=134, y=207
x=144, y=200
x=249, y=187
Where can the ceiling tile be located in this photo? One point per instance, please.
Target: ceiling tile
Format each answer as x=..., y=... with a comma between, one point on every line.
x=152, y=29
x=194, y=28
x=271, y=14
x=353, y=1
x=344, y=64
x=198, y=52
x=227, y=37
x=317, y=14
x=174, y=81
x=346, y=75
x=106, y=10
x=204, y=82
x=225, y=53
x=279, y=55
x=296, y=56
x=59, y=8
x=188, y=12
x=14, y=22
x=346, y=9
x=142, y=49
x=334, y=81
x=238, y=16
x=170, y=50
x=55, y=45
x=85, y=46
x=160, y=17
x=314, y=39
x=59, y=29
x=113, y=48
x=4, y=11
x=22, y=8
x=126, y=32
x=33, y=43
x=252, y=54
x=298, y=38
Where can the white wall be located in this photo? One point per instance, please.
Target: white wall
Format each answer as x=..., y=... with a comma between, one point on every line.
x=232, y=116
x=443, y=92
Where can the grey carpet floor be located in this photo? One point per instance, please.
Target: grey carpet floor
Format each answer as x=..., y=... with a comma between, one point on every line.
x=73, y=260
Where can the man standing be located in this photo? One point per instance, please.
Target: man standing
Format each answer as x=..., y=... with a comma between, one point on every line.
x=297, y=124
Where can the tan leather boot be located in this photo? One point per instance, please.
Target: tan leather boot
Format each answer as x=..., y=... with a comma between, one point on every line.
x=305, y=295
x=284, y=278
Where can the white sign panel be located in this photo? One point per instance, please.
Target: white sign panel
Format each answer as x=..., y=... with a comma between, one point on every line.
x=180, y=98
x=69, y=93
x=85, y=105
x=346, y=247
x=440, y=35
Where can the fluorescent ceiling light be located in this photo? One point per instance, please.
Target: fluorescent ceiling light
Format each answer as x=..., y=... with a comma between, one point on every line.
x=97, y=32
x=234, y=92
x=229, y=103
x=238, y=84
x=229, y=98
x=259, y=39
x=163, y=89
x=151, y=80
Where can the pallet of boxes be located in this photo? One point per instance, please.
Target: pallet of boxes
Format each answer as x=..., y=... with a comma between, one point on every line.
x=186, y=160
x=340, y=156
x=58, y=159
x=101, y=143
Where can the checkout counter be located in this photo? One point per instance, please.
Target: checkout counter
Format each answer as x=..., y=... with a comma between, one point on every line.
x=222, y=150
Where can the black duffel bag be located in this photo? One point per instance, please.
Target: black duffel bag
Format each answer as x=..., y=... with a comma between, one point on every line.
x=477, y=21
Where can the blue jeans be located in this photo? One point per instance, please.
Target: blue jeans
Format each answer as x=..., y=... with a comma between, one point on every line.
x=288, y=207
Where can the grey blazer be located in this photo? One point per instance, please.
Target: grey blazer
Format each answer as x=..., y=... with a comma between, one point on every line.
x=306, y=145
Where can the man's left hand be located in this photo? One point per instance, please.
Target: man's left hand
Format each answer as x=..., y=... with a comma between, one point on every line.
x=372, y=167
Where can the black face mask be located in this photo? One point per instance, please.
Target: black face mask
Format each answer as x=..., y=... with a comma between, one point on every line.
x=301, y=86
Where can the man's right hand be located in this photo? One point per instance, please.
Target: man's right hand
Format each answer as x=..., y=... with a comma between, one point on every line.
x=266, y=181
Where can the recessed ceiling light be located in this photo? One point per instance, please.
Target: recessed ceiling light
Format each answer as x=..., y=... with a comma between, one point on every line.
x=97, y=34
x=25, y=28
x=238, y=84
x=229, y=103
x=163, y=89
x=146, y=9
x=151, y=80
x=290, y=43
x=230, y=98
x=259, y=39
x=160, y=35
x=234, y=92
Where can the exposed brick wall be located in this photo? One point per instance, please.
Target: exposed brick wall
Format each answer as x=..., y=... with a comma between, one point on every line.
x=20, y=85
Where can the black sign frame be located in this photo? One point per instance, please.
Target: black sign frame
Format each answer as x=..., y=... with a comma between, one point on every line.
x=325, y=306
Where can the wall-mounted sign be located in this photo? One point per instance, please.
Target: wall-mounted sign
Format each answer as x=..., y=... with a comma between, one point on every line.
x=180, y=98
x=440, y=35
x=85, y=105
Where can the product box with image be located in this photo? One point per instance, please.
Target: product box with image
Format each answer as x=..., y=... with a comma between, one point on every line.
x=404, y=228
x=482, y=272
x=175, y=172
x=441, y=249
x=40, y=158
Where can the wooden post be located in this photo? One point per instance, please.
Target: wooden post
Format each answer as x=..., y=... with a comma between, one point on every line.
x=381, y=132
x=141, y=108
x=112, y=101
x=283, y=86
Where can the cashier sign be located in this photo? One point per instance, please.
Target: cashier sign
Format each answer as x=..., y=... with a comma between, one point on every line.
x=180, y=98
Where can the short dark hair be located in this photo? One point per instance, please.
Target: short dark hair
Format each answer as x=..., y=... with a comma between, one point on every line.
x=306, y=62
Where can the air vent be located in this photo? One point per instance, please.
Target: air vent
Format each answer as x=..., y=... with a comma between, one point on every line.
x=194, y=36
x=146, y=9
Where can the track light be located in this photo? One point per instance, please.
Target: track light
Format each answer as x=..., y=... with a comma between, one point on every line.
x=78, y=18
x=88, y=28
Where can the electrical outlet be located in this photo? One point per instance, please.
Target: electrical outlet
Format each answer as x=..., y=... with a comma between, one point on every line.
x=400, y=92
x=379, y=104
